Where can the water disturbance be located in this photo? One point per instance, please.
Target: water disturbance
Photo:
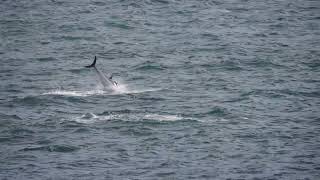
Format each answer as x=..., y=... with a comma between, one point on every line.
x=225, y=89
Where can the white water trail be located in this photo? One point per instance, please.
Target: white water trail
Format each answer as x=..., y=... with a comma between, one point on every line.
x=121, y=88
x=75, y=93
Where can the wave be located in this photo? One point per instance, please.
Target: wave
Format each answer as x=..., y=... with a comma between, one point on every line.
x=133, y=117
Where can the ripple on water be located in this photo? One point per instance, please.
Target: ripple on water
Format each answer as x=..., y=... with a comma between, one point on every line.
x=46, y=59
x=118, y=24
x=52, y=148
x=149, y=66
x=5, y=118
x=242, y=104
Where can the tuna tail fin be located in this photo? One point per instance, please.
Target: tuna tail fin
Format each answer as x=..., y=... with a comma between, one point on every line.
x=93, y=64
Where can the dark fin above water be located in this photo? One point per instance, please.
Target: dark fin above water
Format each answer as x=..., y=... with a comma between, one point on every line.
x=93, y=64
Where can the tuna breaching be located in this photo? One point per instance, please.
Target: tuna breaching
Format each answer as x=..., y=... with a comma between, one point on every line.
x=107, y=82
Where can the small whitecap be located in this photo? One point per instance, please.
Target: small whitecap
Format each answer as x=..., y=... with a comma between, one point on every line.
x=159, y=117
x=92, y=118
x=86, y=118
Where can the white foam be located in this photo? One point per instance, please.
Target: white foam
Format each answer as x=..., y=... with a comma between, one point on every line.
x=75, y=93
x=123, y=89
x=114, y=90
x=120, y=89
x=92, y=118
x=159, y=117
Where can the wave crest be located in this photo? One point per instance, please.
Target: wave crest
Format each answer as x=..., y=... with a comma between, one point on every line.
x=92, y=118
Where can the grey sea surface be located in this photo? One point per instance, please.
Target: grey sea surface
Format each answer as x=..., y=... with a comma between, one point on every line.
x=224, y=89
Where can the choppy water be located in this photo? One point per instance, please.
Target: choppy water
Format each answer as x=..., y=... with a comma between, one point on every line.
x=225, y=89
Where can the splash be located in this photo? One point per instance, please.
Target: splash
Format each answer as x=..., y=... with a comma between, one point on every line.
x=75, y=93
x=123, y=89
x=120, y=89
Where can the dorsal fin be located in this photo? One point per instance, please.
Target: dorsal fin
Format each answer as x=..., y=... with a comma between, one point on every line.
x=93, y=64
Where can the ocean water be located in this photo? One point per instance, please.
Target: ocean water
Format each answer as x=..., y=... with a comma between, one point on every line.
x=224, y=89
